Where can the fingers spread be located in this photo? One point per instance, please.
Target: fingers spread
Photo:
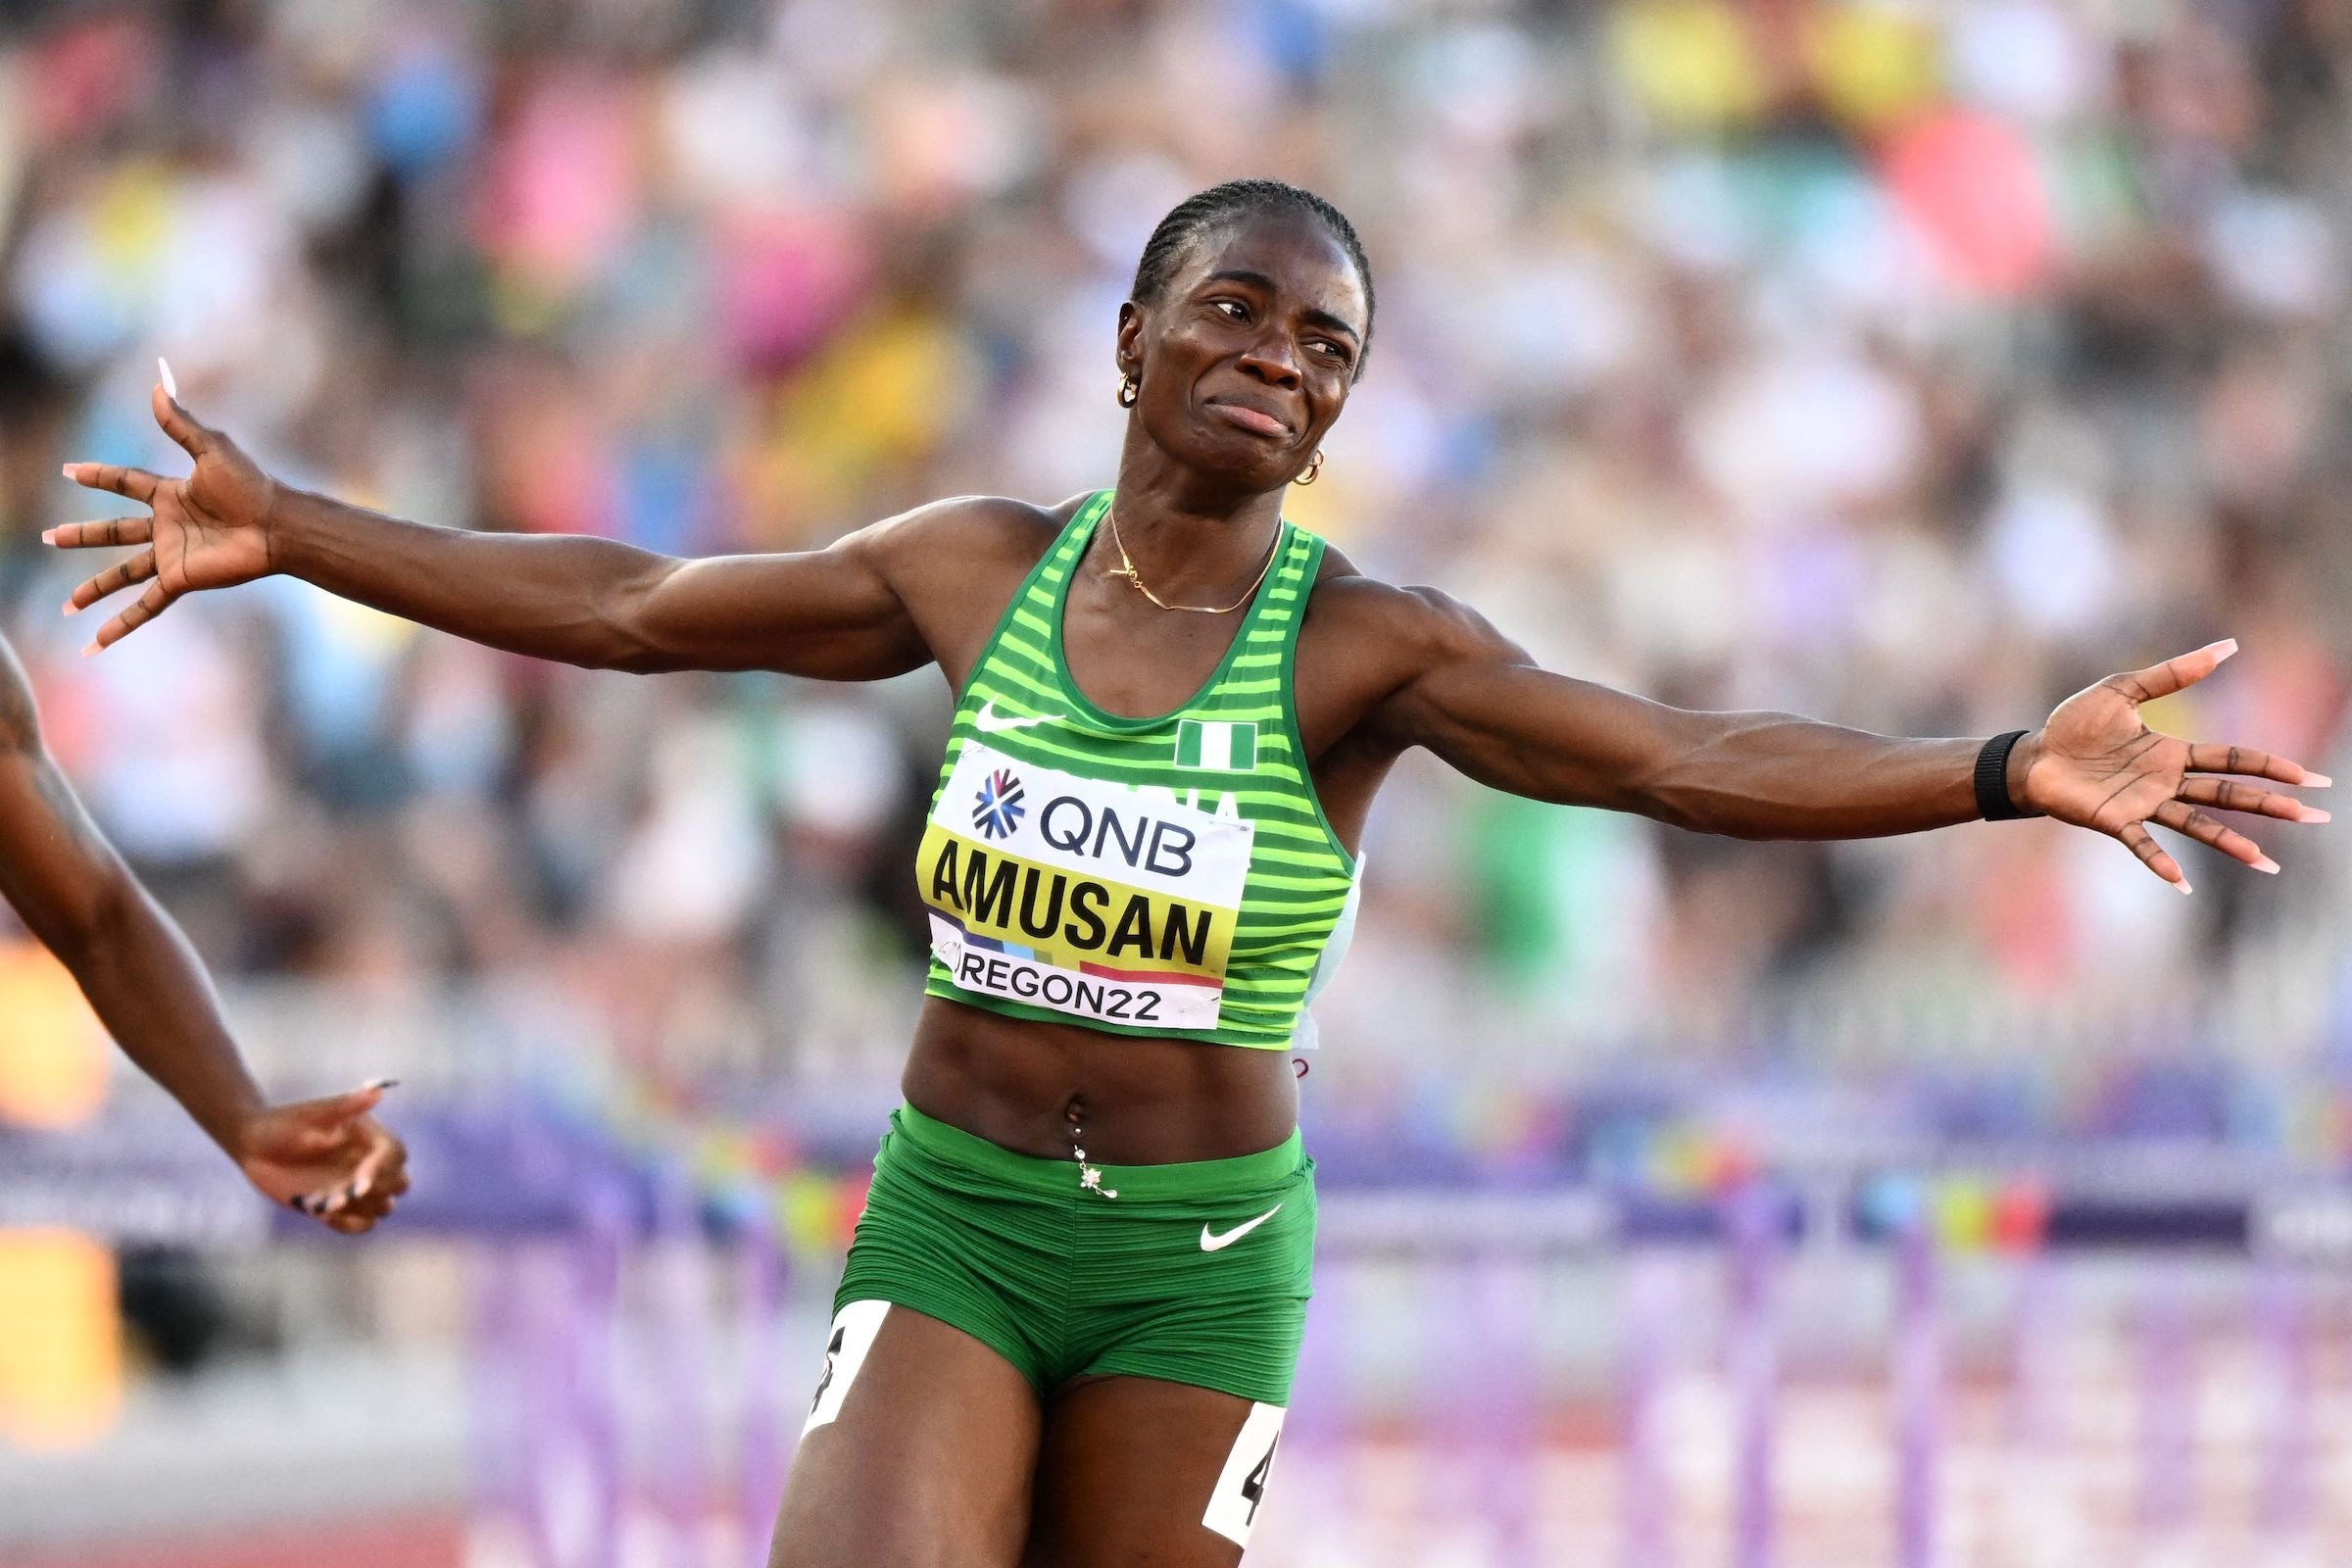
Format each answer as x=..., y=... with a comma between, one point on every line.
x=101, y=535
x=138, y=612
x=2161, y=680
x=113, y=580
x=2211, y=756
x=2231, y=796
x=193, y=438
x=2142, y=843
x=2209, y=829
x=137, y=483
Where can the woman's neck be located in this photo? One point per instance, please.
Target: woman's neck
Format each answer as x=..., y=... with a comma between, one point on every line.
x=1188, y=537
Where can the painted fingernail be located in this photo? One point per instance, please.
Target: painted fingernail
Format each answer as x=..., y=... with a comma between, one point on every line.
x=360, y=1188
x=381, y=1083
x=2317, y=781
x=67, y=471
x=91, y=651
x=2185, y=888
x=48, y=536
x=2223, y=648
x=2311, y=813
x=170, y=387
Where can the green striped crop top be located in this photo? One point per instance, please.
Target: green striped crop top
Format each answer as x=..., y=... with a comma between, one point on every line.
x=1172, y=877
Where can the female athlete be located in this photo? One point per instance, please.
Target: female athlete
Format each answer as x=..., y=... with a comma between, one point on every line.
x=1068, y=1322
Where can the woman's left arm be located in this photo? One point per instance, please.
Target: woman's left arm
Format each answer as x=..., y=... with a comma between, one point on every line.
x=1475, y=699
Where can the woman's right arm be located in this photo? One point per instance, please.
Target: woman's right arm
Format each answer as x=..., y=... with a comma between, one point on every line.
x=831, y=612
x=828, y=613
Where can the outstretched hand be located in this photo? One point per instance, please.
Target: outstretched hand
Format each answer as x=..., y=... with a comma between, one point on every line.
x=208, y=530
x=328, y=1159
x=2097, y=765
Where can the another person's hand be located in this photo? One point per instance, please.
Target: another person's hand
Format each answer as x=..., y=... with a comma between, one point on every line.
x=2097, y=765
x=328, y=1159
x=208, y=530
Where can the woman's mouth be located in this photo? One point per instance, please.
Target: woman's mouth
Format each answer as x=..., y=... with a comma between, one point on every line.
x=1250, y=420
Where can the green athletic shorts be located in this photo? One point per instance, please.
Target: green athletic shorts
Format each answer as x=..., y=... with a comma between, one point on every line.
x=1196, y=1273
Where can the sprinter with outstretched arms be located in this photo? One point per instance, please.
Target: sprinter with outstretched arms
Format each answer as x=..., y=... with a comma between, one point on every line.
x=1070, y=1316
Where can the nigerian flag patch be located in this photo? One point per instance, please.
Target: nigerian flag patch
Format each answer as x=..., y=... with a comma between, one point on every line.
x=1217, y=746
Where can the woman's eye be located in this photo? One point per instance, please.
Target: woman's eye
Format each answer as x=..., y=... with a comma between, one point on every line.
x=1232, y=308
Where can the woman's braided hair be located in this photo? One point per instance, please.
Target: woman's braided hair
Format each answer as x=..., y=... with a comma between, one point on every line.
x=1221, y=205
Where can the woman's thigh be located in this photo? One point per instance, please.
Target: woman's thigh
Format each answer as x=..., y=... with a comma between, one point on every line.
x=1139, y=1473
x=921, y=1453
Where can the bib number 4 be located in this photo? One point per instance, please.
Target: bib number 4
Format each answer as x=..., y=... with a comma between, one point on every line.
x=1242, y=1486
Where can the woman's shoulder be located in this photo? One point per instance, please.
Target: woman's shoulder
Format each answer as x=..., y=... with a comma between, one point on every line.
x=1362, y=612
x=962, y=535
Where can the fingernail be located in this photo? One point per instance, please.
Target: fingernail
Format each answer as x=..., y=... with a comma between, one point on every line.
x=359, y=1188
x=68, y=609
x=2317, y=781
x=48, y=536
x=2223, y=648
x=2184, y=887
x=67, y=471
x=91, y=651
x=381, y=1083
x=2311, y=813
x=2264, y=865
x=170, y=387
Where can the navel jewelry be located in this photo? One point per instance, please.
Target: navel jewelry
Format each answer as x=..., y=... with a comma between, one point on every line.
x=1129, y=390
x=1089, y=1177
x=1126, y=568
x=1314, y=469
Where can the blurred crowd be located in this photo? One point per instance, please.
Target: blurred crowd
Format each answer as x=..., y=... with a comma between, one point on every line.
x=1905, y=362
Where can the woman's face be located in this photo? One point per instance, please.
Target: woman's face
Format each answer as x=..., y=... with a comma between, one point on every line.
x=1247, y=357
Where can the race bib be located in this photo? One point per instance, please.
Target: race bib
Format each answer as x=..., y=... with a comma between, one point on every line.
x=1100, y=899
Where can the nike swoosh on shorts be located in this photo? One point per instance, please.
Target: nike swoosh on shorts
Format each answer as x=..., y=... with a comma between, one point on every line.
x=988, y=722
x=1218, y=1244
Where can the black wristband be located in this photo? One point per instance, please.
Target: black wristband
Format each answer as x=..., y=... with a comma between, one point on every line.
x=1993, y=780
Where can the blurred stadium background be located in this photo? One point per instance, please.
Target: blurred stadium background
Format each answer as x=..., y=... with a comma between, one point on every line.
x=1909, y=363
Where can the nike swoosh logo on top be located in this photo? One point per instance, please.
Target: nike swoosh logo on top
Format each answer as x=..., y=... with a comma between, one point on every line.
x=988, y=721
x=1217, y=1244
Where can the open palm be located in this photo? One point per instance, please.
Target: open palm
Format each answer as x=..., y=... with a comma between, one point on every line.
x=2097, y=764
x=206, y=530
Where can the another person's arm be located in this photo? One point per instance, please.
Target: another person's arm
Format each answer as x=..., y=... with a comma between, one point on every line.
x=329, y=1156
x=829, y=613
x=1475, y=699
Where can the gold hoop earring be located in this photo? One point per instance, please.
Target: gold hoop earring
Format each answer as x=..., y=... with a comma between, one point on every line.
x=1314, y=469
x=1129, y=390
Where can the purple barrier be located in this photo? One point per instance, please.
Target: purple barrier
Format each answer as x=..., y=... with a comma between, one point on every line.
x=1649, y=1490
x=680, y=1459
x=2285, y=1503
x=1754, y=1223
x=759, y=1483
x=2168, y=1415
x=1918, y=1376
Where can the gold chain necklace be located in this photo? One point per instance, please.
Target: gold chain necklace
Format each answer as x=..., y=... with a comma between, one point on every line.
x=1126, y=568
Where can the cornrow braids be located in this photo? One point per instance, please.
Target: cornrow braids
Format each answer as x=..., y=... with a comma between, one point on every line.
x=1236, y=199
